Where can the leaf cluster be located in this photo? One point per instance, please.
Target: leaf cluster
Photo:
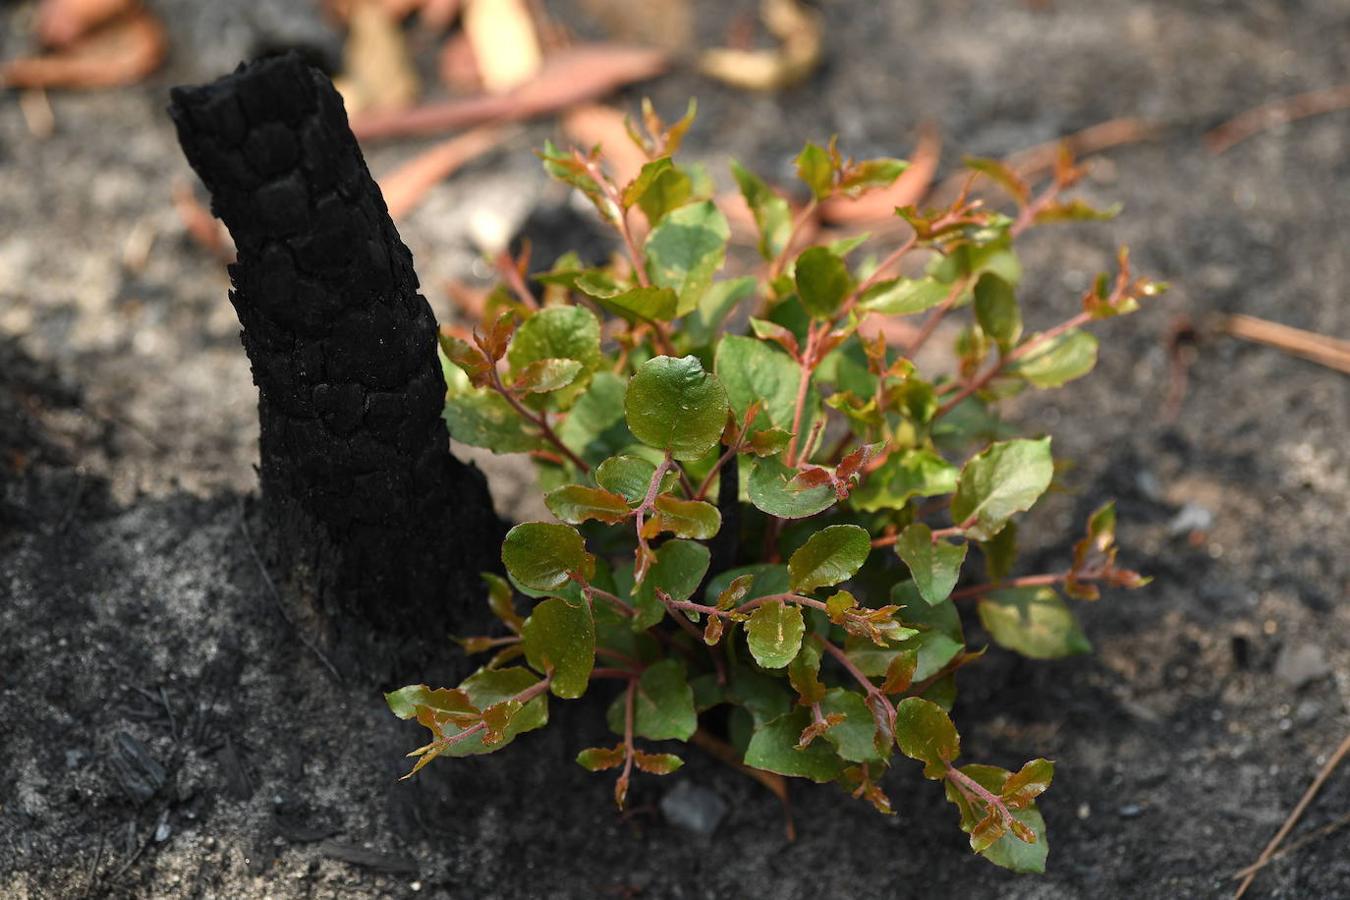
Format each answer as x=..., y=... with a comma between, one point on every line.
x=683, y=404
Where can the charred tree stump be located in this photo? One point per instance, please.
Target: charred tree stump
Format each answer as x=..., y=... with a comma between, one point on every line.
x=378, y=533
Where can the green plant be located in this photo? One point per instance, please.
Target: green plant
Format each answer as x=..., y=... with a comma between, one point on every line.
x=747, y=506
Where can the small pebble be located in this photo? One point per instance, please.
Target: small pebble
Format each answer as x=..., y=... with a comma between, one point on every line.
x=1191, y=517
x=694, y=808
x=1129, y=810
x=162, y=832
x=1300, y=664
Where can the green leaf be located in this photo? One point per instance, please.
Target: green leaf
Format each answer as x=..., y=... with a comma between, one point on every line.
x=652, y=304
x=1071, y=355
x=769, y=442
x=753, y=370
x=595, y=428
x=545, y=375
x=566, y=168
x=703, y=324
x=774, y=634
x=630, y=476
x=823, y=281
x=1007, y=478
x=872, y=173
x=914, y=473
x=767, y=578
x=1011, y=852
x=770, y=491
x=854, y=738
x=561, y=637
x=501, y=602
x=483, y=418
x=683, y=518
x=1000, y=552
x=486, y=689
x=404, y=701
x=997, y=311
x=658, y=188
x=816, y=169
x=598, y=759
x=1033, y=621
x=633, y=303
x=935, y=567
x=904, y=296
x=1076, y=211
x=543, y=556
x=1002, y=175
x=773, y=748
x=663, y=709
x=829, y=556
x=924, y=732
x=672, y=404
x=657, y=763
x=773, y=215
x=558, y=332
x=1032, y=780
x=686, y=249
x=678, y=571
x=575, y=503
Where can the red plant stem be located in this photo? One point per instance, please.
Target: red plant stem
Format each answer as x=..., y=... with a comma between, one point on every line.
x=874, y=693
x=776, y=268
x=807, y=363
x=685, y=484
x=1023, y=581
x=502, y=641
x=624, y=658
x=540, y=421
x=523, y=697
x=968, y=786
x=1003, y=363
x=683, y=621
x=871, y=280
x=953, y=531
x=620, y=605
x=646, y=506
x=506, y=266
x=603, y=672
x=735, y=447
x=628, y=749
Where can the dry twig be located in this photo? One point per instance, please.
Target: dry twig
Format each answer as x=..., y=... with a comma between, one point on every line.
x=1294, y=816
x=1277, y=112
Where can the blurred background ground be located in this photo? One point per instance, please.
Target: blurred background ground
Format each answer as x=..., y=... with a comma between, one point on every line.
x=166, y=737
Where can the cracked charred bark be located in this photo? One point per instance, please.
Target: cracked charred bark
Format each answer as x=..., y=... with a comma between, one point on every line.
x=376, y=531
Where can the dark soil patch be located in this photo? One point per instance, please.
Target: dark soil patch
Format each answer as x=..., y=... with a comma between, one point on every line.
x=166, y=735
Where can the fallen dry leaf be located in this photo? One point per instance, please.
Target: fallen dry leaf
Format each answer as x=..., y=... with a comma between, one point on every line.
x=575, y=75
x=798, y=29
x=505, y=43
x=591, y=124
x=457, y=66
x=60, y=22
x=37, y=113
x=1276, y=113
x=377, y=70
x=121, y=52
x=1034, y=161
x=663, y=23
x=405, y=187
x=910, y=188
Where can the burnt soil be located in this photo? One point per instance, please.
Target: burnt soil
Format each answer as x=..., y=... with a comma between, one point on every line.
x=166, y=735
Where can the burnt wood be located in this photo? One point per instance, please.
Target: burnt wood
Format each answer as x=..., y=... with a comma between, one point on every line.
x=377, y=532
